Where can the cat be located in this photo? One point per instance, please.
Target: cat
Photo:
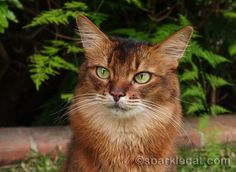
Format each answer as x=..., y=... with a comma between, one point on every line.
x=126, y=112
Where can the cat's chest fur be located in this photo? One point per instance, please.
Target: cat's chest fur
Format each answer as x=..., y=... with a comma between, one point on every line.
x=127, y=102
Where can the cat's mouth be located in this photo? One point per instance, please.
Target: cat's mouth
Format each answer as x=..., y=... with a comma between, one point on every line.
x=117, y=107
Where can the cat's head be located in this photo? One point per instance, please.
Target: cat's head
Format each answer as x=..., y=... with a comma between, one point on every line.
x=125, y=77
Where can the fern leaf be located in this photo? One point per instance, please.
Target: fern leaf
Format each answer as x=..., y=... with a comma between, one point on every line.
x=67, y=96
x=216, y=109
x=216, y=81
x=49, y=50
x=195, y=107
x=80, y=6
x=56, y=16
x=194, y=91
x=164, y=31
x=6, y=14
x=189, y=75
x=187, y=57
x=184, y=21
x=232, y=49
x=16, y=3
x=137, y=3
x=57, y=43
x=230, y=14
x=73, y=49
x=42, y=67
x=214, y=59
x=203, y=121
x=97, y=17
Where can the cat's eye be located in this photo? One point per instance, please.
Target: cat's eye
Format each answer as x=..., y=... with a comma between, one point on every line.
x=103, y=72
x=142, y=77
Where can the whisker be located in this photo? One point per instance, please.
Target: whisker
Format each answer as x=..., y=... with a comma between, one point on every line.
x=183, y=100
x=175, y=123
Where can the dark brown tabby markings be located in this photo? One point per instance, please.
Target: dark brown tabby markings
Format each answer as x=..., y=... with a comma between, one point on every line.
x=116, y=119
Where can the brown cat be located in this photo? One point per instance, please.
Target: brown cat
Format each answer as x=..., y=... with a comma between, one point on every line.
x=126, y=113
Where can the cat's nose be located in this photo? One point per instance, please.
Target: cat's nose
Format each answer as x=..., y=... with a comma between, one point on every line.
x=117, y=94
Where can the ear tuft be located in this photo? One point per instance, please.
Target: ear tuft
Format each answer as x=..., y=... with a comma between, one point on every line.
x=174, y=46
x=91, y=36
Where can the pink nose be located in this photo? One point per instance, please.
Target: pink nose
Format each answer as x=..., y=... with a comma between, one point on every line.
x=117, y=95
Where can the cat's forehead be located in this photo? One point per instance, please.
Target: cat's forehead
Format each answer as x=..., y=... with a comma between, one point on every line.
x=126, y=55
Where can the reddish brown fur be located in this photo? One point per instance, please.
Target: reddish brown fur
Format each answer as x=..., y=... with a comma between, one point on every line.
x=107, y=143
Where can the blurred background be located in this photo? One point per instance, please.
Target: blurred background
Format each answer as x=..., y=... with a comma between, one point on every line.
x=40, y=53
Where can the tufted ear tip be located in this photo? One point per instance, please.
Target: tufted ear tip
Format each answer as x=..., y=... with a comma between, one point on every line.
x=187, y=30
x=175, y=45
x=91, y=35
x=80, y=19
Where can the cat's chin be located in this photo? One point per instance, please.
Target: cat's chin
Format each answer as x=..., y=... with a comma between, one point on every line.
x=121, y=113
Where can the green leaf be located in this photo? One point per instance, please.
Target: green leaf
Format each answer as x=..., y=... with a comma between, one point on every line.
x=230, y=14
x=49, y=50
x=80, y=6
x=164, y=31
x=213, y=59
x=137, y=3
x=97, y=17
x=194, y=91
x=184, y=21
x=187, y=57
x=67, y=96
x=203, y=122
x=216, y=109
x=16, y=3
x=42, y=67
x=56, y=16
x=189, y=75
x=73, y=49
x=57, y=43
x=216, y=81
x=232, y=49
x=195, y=107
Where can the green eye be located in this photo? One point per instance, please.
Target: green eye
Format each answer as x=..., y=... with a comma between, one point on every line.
x=142, y=77
x=103, y=73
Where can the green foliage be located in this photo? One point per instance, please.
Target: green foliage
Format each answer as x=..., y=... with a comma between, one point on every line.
x=196, y=159
x=59, y=16
x=217, y=109
x=37, y=163
x=137, y=3
x=48, y=61
x=7, y=14
x=216, y=82
x=194, y=91
x=214, y=157
x=67, y=96
x=193, y=77
x=62, y=15
x=203, y=122
x=204, y=71
x=43, y=67
x=232, y=49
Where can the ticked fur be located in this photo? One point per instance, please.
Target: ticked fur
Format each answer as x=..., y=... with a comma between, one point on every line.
x=109, y=135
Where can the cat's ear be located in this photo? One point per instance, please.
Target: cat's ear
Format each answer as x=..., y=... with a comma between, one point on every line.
x=173, y=48
x=91, y=36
